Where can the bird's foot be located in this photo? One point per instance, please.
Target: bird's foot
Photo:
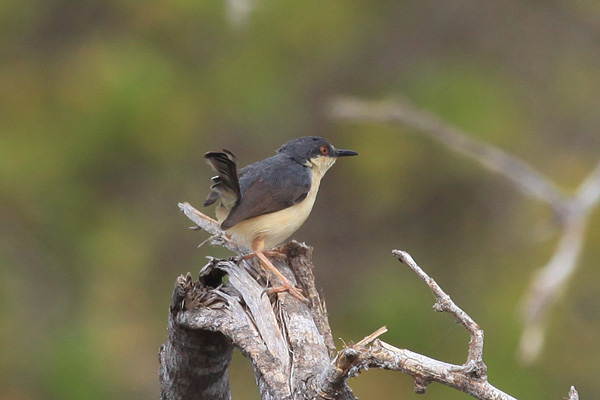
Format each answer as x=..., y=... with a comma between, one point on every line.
x=287, y=287
x=270, y=253
x=276, y=252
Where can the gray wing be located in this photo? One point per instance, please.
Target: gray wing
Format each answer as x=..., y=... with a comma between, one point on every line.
x=268, y=186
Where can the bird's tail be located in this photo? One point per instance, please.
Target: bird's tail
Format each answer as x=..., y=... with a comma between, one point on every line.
x=226, y=184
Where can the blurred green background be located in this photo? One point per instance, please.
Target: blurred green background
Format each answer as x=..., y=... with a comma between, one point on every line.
x=106, y=110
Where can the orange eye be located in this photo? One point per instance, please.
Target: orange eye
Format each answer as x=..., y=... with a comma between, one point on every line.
x=324, y=150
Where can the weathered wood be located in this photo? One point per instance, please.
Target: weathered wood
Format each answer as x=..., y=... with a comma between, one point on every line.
x=289, y=343
x=193, y=363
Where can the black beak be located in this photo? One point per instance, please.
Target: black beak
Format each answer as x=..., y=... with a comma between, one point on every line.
x=344, y=153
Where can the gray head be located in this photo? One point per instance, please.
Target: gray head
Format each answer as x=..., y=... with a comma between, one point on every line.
x=308, y=148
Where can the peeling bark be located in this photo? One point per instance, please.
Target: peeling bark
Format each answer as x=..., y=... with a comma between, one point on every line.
x=289, y=343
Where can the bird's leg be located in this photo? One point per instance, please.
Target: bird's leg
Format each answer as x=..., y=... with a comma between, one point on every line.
x=286, y=284
x=276, y=252
x=257, y=247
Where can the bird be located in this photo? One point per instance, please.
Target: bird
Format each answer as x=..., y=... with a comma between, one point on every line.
x=264, y=203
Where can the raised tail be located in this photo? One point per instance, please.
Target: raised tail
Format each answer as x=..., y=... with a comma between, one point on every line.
x=226, y=185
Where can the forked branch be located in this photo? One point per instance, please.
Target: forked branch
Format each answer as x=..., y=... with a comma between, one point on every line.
x=572, y=210
x=471, y=377
x=288, y=343
x=474, y=364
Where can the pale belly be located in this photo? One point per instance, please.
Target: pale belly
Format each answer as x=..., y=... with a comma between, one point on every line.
x=273, y=228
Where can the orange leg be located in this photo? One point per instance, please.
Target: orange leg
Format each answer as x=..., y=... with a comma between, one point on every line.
x=258, y=247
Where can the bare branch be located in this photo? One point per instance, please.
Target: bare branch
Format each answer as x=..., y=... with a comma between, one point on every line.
x=370, y=338
x=529, y=180
x=425, y=370
x=444, y=303
x=211, y=226
x=289, y=343
x=588, y=193
x=546, y=288
x=550, y=281
x=203, y=221
x=470, y=377
x=573, y=211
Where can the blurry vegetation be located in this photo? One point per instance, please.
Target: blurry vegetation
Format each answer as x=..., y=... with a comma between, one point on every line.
x=106, y=108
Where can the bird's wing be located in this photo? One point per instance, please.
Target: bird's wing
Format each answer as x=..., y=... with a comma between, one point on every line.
x=226, y=184
x=267, y=192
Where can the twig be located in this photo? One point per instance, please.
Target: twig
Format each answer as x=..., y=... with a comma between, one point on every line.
x=573, y=211
x=370, y=338
x=203, y=221
x=524, y=176
x=371, y=352
x=211, y=226
x=588, y=193
x=443, y=302
x=288, y=343
x=550, y=281
x=547, y=285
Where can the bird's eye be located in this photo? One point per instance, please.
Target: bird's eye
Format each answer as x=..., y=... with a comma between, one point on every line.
x=325, y=150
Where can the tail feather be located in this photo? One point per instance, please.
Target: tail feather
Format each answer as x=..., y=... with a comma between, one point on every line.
x=226, y=185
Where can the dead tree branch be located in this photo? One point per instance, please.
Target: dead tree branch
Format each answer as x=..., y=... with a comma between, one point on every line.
x=526, y=178
x=550, y=281
x=289, y=343
x=471, y=377
x=211, y=226
x=444, y=303
x=573, y=211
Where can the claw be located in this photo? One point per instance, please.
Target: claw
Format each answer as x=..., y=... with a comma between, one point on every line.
x=287, y=287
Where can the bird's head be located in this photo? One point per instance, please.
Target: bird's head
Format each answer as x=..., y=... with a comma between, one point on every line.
x=314, y=152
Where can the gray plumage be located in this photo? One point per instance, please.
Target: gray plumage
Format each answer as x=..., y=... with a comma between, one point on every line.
x=269, y=185
x=263, y=188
